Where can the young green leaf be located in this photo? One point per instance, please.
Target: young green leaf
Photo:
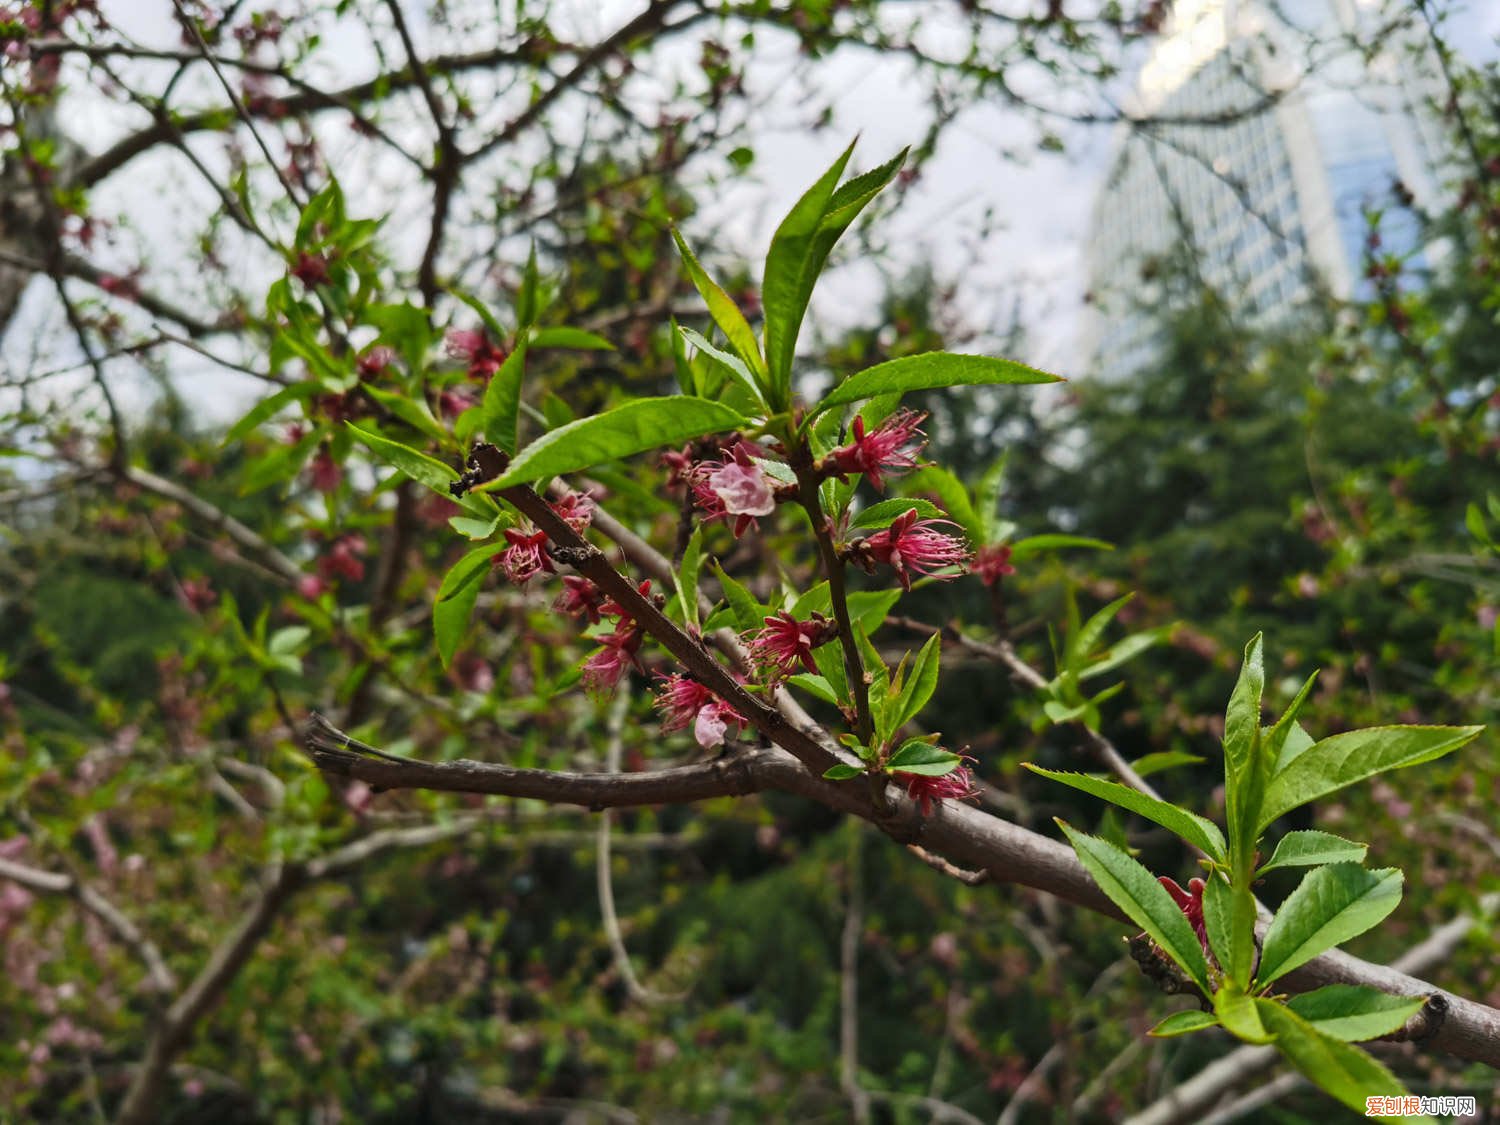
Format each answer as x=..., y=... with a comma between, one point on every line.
x=1239, y=1015
x=1034, y=544
x=725, y=313
x=798, y=250
x=687, y=575
x=749, y=614
x=1145, y=902
x=1332, y=763
x=886, y=512
x=1202, y=834
x=421, y=468
x=1242, y=719
x=1344, y=1071
x=500, y=413
x=954, y=497
x=484, y=314
x=268, y=408
x=929, y=371
x=1083, y=641
x=922, y=757
x=1218, y=923
x=815, y=685
x=1311, y=849
x=457, y=594
x=471, y=528
x=1181, y=1023
x=633, y=427
x=576, y=339
x=1331, y=905
x=1354, y=1012
x=921, y=682
x=842, y=772
x=731, y=364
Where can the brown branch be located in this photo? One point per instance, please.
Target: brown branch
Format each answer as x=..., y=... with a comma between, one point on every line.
x=962, y=835
x=54, y=882
x=181, y=1019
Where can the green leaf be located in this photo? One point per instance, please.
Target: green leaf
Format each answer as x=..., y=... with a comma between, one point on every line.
x=1354, y=1012
x=1311, y=849
x=928, y=371
x=1181, y=1023
x=1334, y=1066
x=816, y=686
x=1242, y=719
x=919, y=757
x=456, y=597
x=526, y=299
x=450, y=621
x=842, y=772
x=1145, y=902
x=732, y=365
x=887, y=512
x=1218, y=922
x=412, y=411
x=633, y=427
x=268, y=408
x=1082, y=643
x=952, y=495
x=288, y=640
x=921, y=682
x=1202, y=834
x=869, y=608
x=1474, y=521
x=1331, y=905
x=497, y=333
x=987, y=500
x=830, y=661
x=1332, y=763
x=421, y=468
x=725, y=313
x=1035, y=543
x=1148, y=764
x=500, y=413
x=686, y=577
x=798, y=251
x=749, y=614
x=471, y=528
x=1238, y=1013
x=578, y=339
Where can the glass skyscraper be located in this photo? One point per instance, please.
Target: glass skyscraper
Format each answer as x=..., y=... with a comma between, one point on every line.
x=1263, y=137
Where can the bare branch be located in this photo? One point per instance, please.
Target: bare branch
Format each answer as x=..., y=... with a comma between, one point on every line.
x=53, y=882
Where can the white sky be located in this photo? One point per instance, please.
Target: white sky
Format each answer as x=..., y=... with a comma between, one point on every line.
x=1040, y=203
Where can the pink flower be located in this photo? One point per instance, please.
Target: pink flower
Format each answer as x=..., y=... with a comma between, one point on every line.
x=526, y=557
x=618, y=651
x=611, y=608
x=477, y=350
x=374, y=361
x=924, y=789
x=342, y=559
x=311, y=269
x=197, y=594
x=679, y=465
x=887, y=449
x=1190, y=901
x=736, y=487
x=911, y=546
x=786, y=643
x=580, y=598
x=993, y=563
x=324, y=471
x=576, y=509
x=453, y=401
x=684, y=702
x=709, y=728
x=311, y=587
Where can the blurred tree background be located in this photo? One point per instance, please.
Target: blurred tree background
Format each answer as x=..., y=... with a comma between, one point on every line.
x=179, y=594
